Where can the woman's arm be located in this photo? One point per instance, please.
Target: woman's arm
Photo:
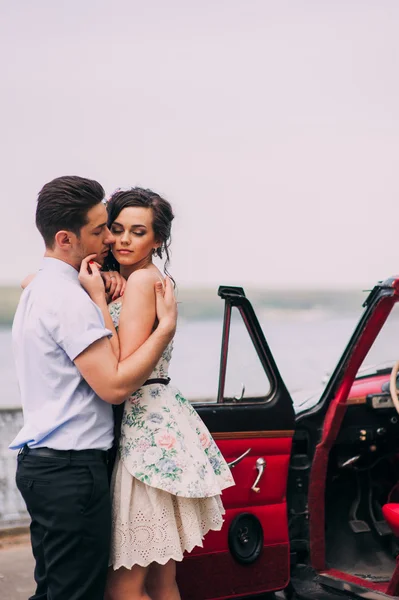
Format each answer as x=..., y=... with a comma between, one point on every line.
x=94, y=285
x=138, y=312
x=114, y=381
x=114, y=286
x=114, y=283
x=109, y=324
x=25, y=282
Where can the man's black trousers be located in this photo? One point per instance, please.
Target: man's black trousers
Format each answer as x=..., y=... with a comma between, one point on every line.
x=68, y=499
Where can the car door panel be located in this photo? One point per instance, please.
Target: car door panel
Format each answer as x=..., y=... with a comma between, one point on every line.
x=265, y=426
x=273, y=482
x=215, y=575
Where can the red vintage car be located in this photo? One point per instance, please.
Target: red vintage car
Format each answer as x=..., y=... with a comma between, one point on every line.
x=315, y=510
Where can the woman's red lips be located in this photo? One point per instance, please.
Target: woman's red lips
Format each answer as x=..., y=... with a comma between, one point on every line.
x=124, y=251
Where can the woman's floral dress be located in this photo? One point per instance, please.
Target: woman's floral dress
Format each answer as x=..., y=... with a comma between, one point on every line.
x=168, y=476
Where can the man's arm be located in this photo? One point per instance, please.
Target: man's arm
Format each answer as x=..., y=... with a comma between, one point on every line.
x=114, y=381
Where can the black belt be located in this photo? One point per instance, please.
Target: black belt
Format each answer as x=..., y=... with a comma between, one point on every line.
x=66, y=454
x=159, y=380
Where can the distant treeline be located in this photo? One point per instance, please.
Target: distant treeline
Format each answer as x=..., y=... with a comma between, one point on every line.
x=9, y=297
x=204, y=303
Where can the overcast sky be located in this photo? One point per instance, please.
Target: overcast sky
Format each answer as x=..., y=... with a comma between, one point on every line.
x=271, y=126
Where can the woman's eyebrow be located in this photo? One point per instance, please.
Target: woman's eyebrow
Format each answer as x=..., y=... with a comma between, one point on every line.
x=134, y=225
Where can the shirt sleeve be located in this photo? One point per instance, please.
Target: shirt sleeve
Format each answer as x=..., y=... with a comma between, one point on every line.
x=78, y=324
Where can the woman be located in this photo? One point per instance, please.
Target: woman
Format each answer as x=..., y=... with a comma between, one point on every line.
x=169, y=473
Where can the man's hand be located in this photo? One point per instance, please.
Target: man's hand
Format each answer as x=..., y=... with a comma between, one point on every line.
x=166, y=306
x=91, y=280
x=114, y=284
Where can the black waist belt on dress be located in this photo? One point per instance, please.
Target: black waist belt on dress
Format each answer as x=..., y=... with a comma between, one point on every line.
x=159, y=380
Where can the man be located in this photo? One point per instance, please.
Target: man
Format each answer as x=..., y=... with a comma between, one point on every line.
x=69, y=376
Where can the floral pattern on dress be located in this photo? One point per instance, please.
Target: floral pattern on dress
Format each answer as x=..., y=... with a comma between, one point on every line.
x=164, y=443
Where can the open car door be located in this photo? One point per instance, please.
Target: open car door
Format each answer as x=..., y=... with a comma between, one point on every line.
x=251, y=553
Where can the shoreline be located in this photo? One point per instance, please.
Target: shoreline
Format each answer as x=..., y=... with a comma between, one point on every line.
x=13, y=536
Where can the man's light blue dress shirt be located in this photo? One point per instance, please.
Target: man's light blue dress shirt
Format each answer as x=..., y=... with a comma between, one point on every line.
x=55, y=321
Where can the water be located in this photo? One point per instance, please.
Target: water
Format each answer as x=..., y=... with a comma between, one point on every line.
x=306, y=346
x=9, y=393
x=304, y=351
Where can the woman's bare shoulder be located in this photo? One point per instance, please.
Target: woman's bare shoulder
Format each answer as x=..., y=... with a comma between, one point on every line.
x=144, y=278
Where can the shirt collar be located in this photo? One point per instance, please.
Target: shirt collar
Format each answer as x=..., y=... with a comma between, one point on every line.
x=59, y=266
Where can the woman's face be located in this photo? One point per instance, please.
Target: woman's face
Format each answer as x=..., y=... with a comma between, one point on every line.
x=134, y=236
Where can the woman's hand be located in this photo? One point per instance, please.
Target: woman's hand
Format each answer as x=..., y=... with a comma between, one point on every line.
x=114, y=284
x=91, y=280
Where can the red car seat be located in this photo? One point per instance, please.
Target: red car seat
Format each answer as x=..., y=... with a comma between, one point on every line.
x=391, y=515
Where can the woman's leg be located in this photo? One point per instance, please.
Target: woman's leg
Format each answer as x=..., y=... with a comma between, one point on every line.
x=161, y=581
x=127, y=584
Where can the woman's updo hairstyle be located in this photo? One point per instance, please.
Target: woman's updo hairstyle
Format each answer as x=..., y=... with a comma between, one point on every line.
x=161, y=222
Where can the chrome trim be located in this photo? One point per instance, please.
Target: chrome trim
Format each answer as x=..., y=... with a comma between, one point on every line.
x=233, y=463
x=350, y=461
x=234, y=435
x=352, y=588
x=241, y=396
x=260, y=465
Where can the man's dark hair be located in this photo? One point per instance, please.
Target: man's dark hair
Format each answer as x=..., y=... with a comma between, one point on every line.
x=63, y=203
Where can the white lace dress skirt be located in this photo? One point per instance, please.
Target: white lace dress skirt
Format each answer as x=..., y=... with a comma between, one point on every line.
x=152, y=525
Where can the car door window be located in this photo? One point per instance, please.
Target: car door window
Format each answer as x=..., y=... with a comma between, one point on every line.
x=246, y=378
x=384, y=352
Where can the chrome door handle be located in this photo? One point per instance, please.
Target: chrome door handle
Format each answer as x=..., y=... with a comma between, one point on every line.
x=260, y=465
x=237, y=460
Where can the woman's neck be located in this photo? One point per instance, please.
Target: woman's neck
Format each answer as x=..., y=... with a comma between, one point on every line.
x=126, y=271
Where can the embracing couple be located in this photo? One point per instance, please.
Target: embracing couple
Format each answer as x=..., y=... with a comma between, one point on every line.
x=86, y=339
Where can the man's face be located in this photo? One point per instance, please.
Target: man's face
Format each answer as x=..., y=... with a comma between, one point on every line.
x=95, y=237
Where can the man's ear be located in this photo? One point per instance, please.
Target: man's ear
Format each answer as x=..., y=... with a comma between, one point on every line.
x=64, y=239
